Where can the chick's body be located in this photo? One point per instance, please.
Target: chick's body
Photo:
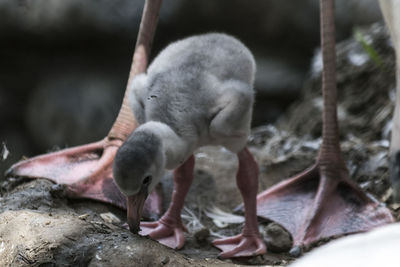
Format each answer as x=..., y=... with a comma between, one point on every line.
x=202, y=88
x=198, y=91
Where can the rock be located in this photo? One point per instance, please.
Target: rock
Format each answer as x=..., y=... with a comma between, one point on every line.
x=296, y=251
x=202, y=235
x=165, y=260
x=277, y=238
x=108, y=217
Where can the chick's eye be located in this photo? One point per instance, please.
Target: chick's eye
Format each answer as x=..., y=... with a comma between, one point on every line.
x=147, y=180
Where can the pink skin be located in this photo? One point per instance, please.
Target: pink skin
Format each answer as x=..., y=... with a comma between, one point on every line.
x=169, y=229
x=322, y=201
x=87, y=170
x=249, y=242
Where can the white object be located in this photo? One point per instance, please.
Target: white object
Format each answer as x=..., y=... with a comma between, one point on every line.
x=377, y=248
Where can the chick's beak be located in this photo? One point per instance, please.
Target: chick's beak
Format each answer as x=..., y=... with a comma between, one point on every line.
x=135, y=207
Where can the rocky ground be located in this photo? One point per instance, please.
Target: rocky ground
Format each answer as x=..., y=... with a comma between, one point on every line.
x=40, y=227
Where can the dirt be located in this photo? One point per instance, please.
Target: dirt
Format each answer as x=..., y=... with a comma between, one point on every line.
x=39, y=226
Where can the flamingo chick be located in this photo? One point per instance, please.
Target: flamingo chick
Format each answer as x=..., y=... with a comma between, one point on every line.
x=198, y=91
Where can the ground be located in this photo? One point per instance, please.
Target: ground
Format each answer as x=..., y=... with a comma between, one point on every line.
x=40, y=227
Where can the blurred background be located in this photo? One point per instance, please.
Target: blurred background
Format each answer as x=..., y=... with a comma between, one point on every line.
x=64, y=63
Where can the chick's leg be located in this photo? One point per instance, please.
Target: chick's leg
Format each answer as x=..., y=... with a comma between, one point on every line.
x=169, y=229
x=249, y=242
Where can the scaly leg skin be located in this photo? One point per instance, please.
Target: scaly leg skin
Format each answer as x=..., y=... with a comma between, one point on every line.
x=87, y=170
x=249, y=242
x=169, y=229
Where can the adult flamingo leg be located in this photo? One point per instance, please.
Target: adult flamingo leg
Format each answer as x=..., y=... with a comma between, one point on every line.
x=87, y=170
x=322, y=201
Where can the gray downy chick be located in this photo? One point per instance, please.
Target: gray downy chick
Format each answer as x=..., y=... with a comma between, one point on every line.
x=198, y=91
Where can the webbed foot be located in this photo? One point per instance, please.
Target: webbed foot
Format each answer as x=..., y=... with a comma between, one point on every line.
x=321, y=202
x=87, y=173
x=241, y=246
x=170, y=235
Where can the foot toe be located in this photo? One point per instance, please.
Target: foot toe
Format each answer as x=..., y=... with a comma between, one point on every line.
x=169, y=236
x=175, y=241
x=227, y=240
x=241, y=246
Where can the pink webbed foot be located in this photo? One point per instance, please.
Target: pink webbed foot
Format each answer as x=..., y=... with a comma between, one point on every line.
x=241, y=246
x=319, y=204
x=169, y=235
x=86, y=172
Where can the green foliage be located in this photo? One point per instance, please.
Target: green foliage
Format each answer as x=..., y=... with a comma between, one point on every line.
x=368, y=48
